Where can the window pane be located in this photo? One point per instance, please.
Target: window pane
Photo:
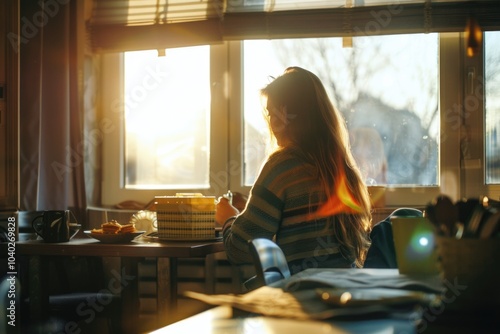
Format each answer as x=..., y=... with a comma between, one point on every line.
x=167, y=119
x=385, y=86
x=492, y=106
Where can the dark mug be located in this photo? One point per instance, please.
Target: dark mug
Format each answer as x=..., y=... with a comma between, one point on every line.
x=52, y=225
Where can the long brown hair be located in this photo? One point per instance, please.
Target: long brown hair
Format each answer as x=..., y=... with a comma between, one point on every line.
x=316, y=131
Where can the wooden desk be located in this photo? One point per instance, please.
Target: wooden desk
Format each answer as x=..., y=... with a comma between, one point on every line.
x=125, y=282
x=225, y=319
x=432, y=320
x=221, y=319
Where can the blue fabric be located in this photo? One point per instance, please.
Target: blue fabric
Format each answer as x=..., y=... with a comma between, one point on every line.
x=382, y=253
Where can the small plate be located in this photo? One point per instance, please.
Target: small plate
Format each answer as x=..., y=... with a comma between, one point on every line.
x=153, y=237
x=119, y=238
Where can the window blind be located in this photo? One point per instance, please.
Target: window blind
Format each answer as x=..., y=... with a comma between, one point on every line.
x=125, y=25
x=399, y=17
x=146, y=12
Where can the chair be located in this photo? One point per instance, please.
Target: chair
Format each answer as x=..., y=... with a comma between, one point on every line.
x=382, y=253
x=73, y=282
x=76, y=286
x=269, y=261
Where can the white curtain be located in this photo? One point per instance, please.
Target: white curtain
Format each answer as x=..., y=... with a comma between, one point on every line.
x=51, y=129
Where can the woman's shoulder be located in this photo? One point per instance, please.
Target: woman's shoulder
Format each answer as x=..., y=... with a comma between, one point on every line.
x=286, y=156
x=286, y=161
x=282, y=170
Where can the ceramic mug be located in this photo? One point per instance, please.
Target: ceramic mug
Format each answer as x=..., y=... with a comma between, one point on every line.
x=414, y=243
x=53, y=225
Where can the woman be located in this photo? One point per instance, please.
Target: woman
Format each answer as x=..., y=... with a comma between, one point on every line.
x=309, y=195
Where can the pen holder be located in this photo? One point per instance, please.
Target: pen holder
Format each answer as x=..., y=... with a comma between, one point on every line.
x=470, y=269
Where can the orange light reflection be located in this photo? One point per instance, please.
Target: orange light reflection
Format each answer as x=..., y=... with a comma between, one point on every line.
x=342, y=201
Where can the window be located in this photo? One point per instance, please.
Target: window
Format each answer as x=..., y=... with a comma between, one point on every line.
x=391, y=108
x=419, y=78
x=141, y=167
x=167, y=119
x=492, y=106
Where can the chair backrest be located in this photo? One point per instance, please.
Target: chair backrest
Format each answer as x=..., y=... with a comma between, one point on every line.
x=382, y=253
x=269, y=260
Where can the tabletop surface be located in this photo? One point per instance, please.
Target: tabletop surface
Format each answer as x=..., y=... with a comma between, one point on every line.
x=224, y=318
x=91, y=247
x=430, y=319
x=221, y=319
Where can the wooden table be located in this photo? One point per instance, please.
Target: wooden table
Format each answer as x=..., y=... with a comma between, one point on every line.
x=166, y=254
x=432, y=320
x=227, y=320
x=222, y=319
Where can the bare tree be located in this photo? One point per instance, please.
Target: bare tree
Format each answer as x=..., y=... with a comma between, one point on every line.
x=363, y=82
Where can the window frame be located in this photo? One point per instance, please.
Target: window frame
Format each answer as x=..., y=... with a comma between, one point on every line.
x=474, y=159
x=226, y=158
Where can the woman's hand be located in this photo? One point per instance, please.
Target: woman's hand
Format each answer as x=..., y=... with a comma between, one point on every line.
x=239, y=201
x=224, y=210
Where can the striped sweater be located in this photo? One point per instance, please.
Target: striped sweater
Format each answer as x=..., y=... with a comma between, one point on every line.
x=284, y=194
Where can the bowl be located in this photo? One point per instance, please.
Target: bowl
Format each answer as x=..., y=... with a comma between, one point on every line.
x=144, y=220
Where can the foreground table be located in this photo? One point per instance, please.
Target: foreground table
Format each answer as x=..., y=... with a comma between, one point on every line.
x=430, y=319
x=166, y=254
x=224, y=319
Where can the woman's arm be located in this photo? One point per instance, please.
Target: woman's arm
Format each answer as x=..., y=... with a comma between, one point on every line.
x=260, y=219
x=262, y=215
